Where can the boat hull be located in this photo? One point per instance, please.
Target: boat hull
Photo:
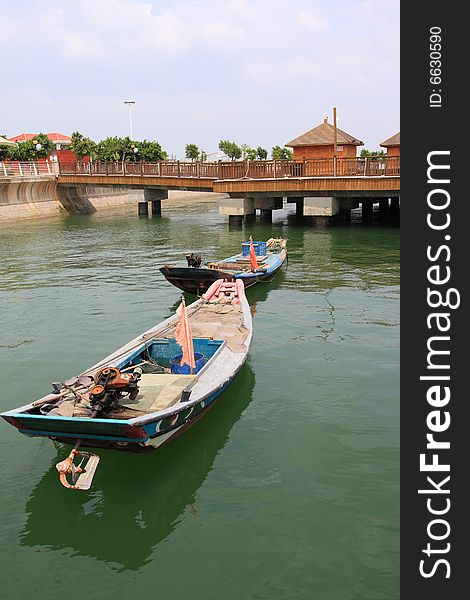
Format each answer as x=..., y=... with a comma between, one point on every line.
x=197, y=281
x=121, y=436
x=194, y=281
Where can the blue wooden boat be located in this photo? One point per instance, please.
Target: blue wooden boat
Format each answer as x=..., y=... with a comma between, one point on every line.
x=196, y=278
x=139, y=397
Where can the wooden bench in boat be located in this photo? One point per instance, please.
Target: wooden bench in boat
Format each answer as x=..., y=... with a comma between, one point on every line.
x=158, y=391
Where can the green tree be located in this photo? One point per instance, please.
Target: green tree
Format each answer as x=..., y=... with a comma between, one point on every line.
x=281, y=153
x=192, y=152
x=372, y=153
x=82, y=146
x=116, y=148
x=248, y=153
x=261, y=153
x=47, y=146
x=4, y=149
x=150, y=151
x=23, y=151
x=231, y=149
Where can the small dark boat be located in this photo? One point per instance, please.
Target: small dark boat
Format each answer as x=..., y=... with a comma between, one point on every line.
x=140, y=396
x=197, y=278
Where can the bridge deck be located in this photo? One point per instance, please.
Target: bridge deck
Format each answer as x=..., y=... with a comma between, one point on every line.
x=356, y=176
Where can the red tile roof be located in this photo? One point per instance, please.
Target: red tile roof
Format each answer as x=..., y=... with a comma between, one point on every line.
x=54, y=137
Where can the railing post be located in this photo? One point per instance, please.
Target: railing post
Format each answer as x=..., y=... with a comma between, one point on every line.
x=334, y=166
x=365, y=166
x=198, y=169
x=35, y=168
x=20, y=169
x=178, y=169
x=4, y=169
x=274, y=168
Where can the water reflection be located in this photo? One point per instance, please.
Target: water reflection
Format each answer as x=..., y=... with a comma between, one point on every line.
x=138, y=499
x=322, y=260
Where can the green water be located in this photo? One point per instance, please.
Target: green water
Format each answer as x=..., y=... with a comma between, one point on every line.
x=287, y=489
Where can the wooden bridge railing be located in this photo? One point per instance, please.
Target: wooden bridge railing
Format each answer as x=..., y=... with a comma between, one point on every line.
x=256, y=169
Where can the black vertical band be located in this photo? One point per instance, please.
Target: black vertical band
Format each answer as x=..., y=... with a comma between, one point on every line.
x=435, y=238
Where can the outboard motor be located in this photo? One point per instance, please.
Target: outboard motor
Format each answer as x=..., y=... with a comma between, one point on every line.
x=194, y=260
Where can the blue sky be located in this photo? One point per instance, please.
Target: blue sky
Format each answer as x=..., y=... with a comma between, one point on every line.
x=258, y=72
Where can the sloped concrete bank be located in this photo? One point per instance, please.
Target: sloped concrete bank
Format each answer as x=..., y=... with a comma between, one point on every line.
x=26, y=198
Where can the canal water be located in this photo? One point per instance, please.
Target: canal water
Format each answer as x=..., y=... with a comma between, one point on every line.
x=288, y=488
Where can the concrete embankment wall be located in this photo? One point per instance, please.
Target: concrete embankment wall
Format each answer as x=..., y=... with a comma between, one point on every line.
x=23, y=198
x=29, y=197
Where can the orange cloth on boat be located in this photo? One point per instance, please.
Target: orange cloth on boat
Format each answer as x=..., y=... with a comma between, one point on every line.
x=184, y=337
x=253, y=261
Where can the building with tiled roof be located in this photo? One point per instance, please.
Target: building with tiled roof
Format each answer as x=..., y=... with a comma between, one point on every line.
x=60, y=140
x=392, y=145
x=319, y=143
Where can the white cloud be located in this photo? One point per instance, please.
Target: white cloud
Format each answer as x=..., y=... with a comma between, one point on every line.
x=259, y=71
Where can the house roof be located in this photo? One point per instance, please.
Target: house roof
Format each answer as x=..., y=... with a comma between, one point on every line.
x=393, y=141
x=54, y=137
x=324, y=135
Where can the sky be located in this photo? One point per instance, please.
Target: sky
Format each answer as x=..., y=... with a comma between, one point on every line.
x=259, y=72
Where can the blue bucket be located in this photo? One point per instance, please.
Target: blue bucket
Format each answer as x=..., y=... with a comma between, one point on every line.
x=179, y=369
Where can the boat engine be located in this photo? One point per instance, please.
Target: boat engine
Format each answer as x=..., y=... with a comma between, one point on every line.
x=194, y=260
x=110, y=385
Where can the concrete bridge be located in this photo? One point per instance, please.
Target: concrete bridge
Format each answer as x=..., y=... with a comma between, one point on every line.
x=321, y=188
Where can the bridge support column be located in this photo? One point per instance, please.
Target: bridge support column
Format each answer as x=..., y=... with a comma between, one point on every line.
x=235, y=221
x=155, y=197
x=395, y=208
x=344, y=211
x=323, y=209
x=367, y=209
x=383, y=210
x=299, y=207
x=236, y=209
x=143, y=209
x=268, y=202
x=265, y=215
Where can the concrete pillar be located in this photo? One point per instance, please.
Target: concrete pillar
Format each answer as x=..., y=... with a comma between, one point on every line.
x=143, y=209
x=367, y=210
x=322, y=208
x=383, y=210
x=155, y=197
x=344, y=213
x=344, y=210
x=266, y=215
x=395, y=209
x=268, y=203
x=236, y=207
x=156, y=208
x=235, y=221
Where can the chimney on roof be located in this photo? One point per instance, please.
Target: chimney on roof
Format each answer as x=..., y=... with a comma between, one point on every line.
x=325, y=120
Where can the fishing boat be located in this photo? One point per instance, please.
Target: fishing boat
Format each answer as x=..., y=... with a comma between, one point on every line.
x=258, y=261
x=149, y=391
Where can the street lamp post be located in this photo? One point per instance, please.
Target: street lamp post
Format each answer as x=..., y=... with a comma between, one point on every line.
x=130, y=103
